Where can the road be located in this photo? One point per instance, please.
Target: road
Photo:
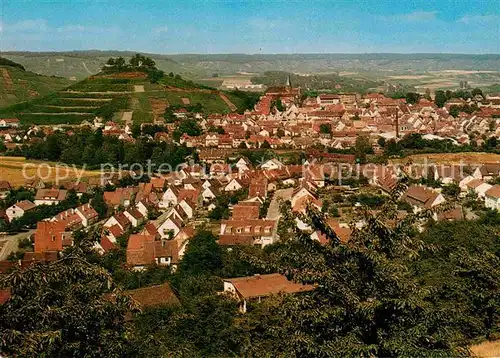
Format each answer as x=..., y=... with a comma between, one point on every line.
x=273, y=212
x=11, y=243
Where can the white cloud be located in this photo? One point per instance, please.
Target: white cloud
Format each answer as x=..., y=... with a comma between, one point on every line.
x=71, y=28
x=36, y=25
x=264, y=24
x=415, y=16
x=418, y=16
x=479, y=19
x=161, y=29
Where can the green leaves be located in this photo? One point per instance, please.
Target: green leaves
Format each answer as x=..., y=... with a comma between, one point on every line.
x=66, y=308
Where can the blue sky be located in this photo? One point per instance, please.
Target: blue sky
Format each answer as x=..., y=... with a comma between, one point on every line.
x=271, y=26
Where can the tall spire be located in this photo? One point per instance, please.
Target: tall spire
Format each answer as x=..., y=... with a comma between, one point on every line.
x=288, y=83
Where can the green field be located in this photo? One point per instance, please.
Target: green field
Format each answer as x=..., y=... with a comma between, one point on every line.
x=17, y=85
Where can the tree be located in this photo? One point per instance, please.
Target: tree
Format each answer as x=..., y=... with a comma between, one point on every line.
x=325, y=128
x=136, y=130
x=265, y=145
x=279, y=105
x=381, y=142
x=477, y=91
x=188, y=126
x=454, y=111
x=99, y=204
x=362, y=147
x=203, y=255
x=61, y=309
x=491, y=143
x=412, y=97
x=440, y=98
x=365, y=300
x=120, y=62
x=451, y=189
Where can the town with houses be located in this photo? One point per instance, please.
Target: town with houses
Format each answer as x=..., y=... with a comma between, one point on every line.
x=159, y=216
x=290, y=154
x=221, y=179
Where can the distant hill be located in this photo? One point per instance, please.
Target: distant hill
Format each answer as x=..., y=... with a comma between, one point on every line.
x=18, y=85
x=83, y=63
x=420, y=71
x=318, y=63
x=79, y=64
x=123, y=96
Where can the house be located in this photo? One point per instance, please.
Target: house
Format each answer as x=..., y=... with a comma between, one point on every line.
x=159, y=184
x=144, y=250
x=243, y=165
x=272, y=164
x=150, y=229
x=170, y=227
x=88, y=214
x=36, y=183
x=113, y=232
x=153, y=296
x=72, y=221
x=234, y=185
x=259, y=232
x=492, y=198
x=9, y=122
x=50, y=196
x=327, y=99
x=18, y=209
x=178, y=213
x=209, y=193
x=487, y=171
x=51, y=236
x=422, y=198
x=453, y=214
x=104, y=245
x=4, y=189
x=134, y=216
x=258, y=187
x=145, y=207
x=188, y=207
x=301, y=192
x=478, y=186
x=246, y=210
x=118, y=219
x=140, y=252
x=255, y=288
x=169, y=197
x=120, y=197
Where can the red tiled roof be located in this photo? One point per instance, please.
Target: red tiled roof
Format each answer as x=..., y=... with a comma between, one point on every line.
x=4, y=295
x=494, y=192
x=418, y=195
x=57, y=194
x=153, y=296
x=116, y=230
x=106, y=244
x=233, y=240
x=4, y=185
x=49, y=236
x=246, y=210
x=25, y=205
x=122, y=220
x=266, y=285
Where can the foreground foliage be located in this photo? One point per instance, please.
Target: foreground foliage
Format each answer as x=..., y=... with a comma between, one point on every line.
x=61, y=310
